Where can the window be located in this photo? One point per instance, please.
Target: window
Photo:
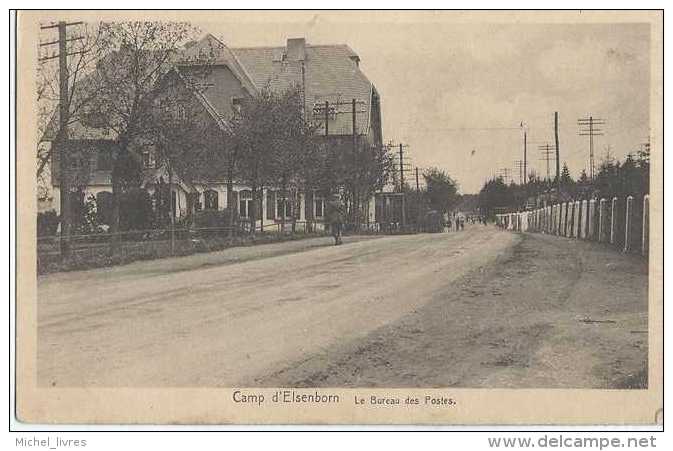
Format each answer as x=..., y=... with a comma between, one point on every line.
x=319, y=207
x=244, y=203
x=210, y=199
x=181, y=113
x=284, y=208
x=236, y=104
x=319, y=111
x=146, y=159
x=270, y=205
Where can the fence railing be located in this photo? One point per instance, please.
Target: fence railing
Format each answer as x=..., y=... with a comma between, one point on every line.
x=106, y=249
x=620, y=222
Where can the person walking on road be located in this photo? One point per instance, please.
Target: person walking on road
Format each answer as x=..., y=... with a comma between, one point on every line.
x=335, y=217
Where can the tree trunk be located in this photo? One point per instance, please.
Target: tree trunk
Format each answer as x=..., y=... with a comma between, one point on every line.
x=261, y=208
x=117, y=191
x=65, y=203
x=230, y=198
x=252, y=214
x=283, y=198
x=172, y=210
x=115, y=242
x=294, y=211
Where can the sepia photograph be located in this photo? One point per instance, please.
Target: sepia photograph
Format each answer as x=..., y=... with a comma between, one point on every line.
x=341, y=217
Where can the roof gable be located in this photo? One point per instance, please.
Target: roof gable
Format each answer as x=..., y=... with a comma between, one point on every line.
x=330, y=73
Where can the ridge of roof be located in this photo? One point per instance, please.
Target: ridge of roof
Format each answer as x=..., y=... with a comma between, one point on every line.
x=273, y=47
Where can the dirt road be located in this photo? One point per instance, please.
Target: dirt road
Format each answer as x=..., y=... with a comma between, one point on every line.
x=548, y=313
x=421, y=310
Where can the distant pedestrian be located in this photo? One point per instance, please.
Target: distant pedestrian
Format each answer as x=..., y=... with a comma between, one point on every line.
x=335, y=217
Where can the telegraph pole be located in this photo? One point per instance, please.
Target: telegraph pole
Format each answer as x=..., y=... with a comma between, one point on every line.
x=418, y=202
x=62, y=137
x=587, y=127
x=525, y=151
x=608, y=154
x=355, y=204
x=520, y=165
x=326, y=117
x=547, y=152
x=505, y=174
x=558, y=159
x=403, y=169
x=404, y=214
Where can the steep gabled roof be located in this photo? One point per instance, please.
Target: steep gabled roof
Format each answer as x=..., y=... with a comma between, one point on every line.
x=211, y=49
x=331, y=73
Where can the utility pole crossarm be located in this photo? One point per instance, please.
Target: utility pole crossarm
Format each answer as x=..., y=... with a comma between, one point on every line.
x=587, y=127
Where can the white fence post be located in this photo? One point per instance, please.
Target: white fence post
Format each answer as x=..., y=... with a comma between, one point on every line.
x=613, y=221
x=578, y=219
x=591, y=232
x=628, y=224
x=602, y=219
x=556, y=218
x=583, y=223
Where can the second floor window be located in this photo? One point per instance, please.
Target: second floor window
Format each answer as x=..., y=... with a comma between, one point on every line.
x=237, y=104
x=147, y=159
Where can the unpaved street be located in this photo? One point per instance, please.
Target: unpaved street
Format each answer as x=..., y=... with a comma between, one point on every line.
x=476, y=308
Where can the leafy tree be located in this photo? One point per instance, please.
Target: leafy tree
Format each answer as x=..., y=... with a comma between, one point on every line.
x=566, y=179
x=442, y=190
x=495, y=195
x=262, y=140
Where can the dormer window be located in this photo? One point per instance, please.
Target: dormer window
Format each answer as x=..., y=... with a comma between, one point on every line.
x=319, y=111
x=181, y=113
x=237, y=104
x=148, y=159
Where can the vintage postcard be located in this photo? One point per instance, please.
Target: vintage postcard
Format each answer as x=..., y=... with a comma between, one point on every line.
x=340, y=217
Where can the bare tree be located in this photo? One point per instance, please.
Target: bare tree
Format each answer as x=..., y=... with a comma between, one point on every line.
x=85, y=52
x=185, y=139
x=255, y=133
x=139, y=56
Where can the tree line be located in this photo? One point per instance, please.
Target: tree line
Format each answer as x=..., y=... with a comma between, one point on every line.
x=614, y=178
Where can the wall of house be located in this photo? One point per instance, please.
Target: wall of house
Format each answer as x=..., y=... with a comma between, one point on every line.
x=220, y=87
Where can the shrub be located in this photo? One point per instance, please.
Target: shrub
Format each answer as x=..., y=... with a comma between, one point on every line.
x=135, y=210
x=47, y=223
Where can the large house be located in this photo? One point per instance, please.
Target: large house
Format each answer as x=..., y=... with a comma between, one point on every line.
x=324, y=73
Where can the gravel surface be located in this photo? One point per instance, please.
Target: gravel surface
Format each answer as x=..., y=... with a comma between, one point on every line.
x=549, y=313
x=478, y=308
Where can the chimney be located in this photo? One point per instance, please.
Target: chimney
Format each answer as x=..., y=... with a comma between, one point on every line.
x=296, y=49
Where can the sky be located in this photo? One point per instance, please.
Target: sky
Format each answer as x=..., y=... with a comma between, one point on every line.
x=457, y=92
